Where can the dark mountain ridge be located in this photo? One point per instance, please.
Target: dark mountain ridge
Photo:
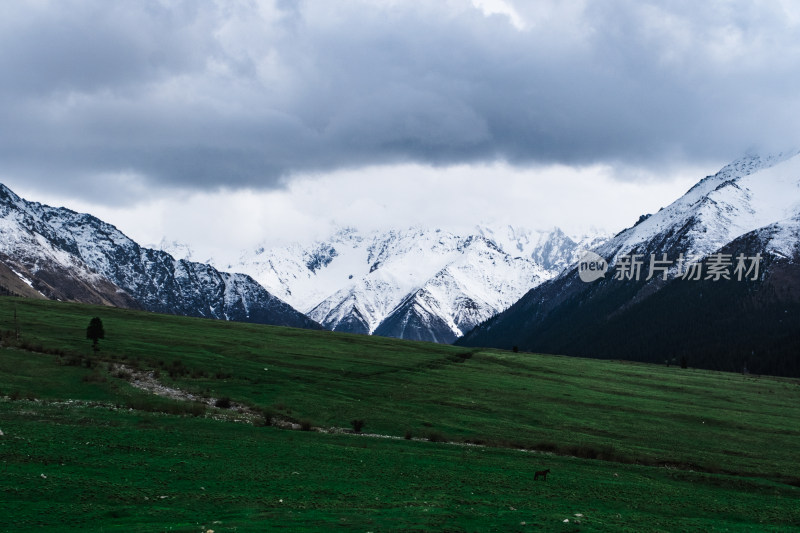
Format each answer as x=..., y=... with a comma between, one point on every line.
x=724, y=324
x=64, y=255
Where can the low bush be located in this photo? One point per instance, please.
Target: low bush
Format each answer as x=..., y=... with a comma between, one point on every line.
x=435, y=436
x=223, y=403
x=157, y=405
x=196, y=409
x=267, y=418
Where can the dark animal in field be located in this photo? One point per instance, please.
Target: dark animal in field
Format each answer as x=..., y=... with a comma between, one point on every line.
x=542, y=474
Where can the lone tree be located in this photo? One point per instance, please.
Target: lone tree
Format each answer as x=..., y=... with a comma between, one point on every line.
x=95, y=332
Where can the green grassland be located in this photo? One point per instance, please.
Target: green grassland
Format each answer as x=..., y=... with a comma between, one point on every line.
x=630, y=446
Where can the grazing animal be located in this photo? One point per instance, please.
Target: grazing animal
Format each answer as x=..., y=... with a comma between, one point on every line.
x=542, y=474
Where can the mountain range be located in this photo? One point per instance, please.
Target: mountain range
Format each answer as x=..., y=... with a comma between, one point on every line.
x=716, y=284
x=59, y=254
x=748, y=213
x=419, y=283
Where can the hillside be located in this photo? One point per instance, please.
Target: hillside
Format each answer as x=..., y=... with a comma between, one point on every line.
x=749, y=209
x=85, y=461
x=63, y=255
x=97, y=450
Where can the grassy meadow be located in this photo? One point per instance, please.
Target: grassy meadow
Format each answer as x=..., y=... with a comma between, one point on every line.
x=453, y=435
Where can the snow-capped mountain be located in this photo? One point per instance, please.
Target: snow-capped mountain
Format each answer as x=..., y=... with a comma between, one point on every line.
x=750, y=207
x=61, y=254
x=480, y=282
x=178, y=250
x=551, y=249
x=419, y=283
x=750, y=193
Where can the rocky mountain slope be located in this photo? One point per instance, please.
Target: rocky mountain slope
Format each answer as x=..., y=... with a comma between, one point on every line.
x=60, y=254
x=747, y=210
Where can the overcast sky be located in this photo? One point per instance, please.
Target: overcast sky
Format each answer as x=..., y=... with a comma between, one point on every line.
x=226, y=123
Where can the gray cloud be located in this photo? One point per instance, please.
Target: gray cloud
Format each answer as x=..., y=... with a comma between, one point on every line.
x=202, y=95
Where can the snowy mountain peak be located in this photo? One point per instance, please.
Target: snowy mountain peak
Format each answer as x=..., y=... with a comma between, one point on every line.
x=747, y=194
x=176, y=249
x=421, y=283
x=749, y=164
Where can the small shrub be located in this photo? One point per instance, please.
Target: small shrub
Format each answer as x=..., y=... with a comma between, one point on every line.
x=515, y=349
x=435, y=436
x=156, y=405
x=15, y=395
x=196, y=409
x=547, y=446
x=607, y=453
x=357, y=425
x=585, y=452
x=177, y=369
x=305, y=425
x=140, y=404
x=31, y=347
x=409, y=435
x=223, y=403
x=267, y=418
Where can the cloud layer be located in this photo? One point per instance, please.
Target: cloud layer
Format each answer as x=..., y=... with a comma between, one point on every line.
x=116, y=99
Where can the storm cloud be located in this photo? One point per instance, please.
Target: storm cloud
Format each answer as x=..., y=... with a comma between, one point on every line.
x=139, y=95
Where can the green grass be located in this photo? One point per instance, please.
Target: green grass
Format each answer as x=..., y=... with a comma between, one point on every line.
x=730, y=442
x=148, y=472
